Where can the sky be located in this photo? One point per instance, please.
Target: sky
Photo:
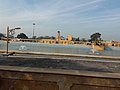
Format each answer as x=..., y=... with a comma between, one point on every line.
x=79, y=18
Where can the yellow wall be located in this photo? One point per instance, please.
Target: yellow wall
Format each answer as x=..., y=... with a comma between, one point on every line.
x=69, y=37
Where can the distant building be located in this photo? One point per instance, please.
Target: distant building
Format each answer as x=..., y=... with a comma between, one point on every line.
x=69, y=37
x=60, y=40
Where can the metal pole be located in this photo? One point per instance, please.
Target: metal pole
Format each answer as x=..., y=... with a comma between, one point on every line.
x=33, y=29
x=8, y=31
x=7, y=39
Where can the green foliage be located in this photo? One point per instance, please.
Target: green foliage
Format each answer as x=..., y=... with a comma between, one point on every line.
x=46, y=37
x=2, y=35
x=34, y=37
x=22, y=35
x=77, y=39
x=96, y=37
x=83, y=40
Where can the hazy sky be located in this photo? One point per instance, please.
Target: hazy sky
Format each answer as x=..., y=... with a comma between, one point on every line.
x=80, y=18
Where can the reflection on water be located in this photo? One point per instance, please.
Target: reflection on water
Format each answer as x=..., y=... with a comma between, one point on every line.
x=69, y=49
x=23, y=48
x=94, y=52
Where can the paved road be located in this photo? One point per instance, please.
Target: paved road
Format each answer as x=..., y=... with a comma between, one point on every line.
x=62, y=62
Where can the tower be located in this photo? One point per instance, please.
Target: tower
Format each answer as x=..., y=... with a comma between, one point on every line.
x=58, y=37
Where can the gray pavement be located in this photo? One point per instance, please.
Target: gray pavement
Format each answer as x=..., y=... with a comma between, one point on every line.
x=62, y=62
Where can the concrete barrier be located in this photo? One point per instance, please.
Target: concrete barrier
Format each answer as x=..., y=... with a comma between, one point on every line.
x=27, y=78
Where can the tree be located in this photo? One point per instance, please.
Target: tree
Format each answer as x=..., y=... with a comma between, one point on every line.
x=2, y=35
x=77, y=39
x=34, y=37
x=96, y=37
x=83, y=40
x=22, y=35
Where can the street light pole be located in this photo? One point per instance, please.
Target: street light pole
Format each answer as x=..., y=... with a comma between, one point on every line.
x=7, y=38
x=33, y=29
x=9, y=31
